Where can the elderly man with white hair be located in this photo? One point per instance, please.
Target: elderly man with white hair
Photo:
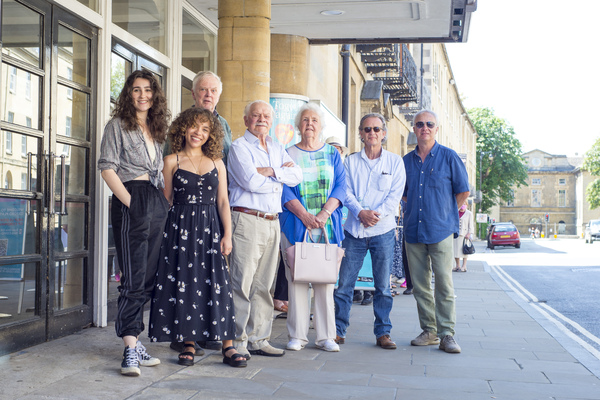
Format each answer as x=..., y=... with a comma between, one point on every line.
x=258, y=168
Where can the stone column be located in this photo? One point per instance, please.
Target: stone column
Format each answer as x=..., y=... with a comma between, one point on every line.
x=244, y=52
x=289, y=64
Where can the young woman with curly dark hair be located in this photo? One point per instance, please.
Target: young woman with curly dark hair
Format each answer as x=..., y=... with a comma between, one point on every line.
x=131, y=164
x=193, y=300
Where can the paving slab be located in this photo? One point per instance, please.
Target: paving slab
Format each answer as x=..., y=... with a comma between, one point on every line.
x=510, y=351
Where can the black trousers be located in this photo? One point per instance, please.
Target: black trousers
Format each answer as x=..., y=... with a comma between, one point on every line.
x=138, y=231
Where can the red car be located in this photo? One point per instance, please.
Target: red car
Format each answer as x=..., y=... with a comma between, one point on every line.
x=504, y=235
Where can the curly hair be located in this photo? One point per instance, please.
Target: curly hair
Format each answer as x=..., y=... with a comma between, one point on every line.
x=192, y=117
x=158, y=114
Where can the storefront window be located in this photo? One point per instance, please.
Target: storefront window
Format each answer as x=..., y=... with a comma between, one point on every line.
x=198, y=49
x=144, y=19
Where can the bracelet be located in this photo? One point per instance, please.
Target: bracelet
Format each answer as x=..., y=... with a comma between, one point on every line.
x=326, y=210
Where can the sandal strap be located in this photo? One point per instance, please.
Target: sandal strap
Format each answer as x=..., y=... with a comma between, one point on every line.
x=186, y=353
x=226, y=349
x=237, y=356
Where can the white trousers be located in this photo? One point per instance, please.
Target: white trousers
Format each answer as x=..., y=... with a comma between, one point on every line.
x=298, y=317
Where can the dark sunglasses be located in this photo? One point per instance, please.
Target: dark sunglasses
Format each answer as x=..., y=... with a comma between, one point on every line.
x=421, y=124
x=375, y=129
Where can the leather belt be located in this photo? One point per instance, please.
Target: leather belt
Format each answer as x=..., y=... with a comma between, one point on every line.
x=259, y=214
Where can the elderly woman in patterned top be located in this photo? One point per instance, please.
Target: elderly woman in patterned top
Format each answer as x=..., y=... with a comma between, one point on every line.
x=315, y=204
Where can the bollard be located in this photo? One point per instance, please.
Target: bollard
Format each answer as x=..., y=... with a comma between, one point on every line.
x=542, y=235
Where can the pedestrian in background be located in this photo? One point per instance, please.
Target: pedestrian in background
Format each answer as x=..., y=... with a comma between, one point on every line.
x=465, y=230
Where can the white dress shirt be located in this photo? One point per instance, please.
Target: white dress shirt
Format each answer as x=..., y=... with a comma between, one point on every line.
x=248, y=188
x=373, y=185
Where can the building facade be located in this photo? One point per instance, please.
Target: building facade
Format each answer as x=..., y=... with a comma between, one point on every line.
x=556, y=188
x=64, y=62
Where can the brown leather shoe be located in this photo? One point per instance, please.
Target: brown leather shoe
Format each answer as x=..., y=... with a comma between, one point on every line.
x=339, y=340
x=385, y=342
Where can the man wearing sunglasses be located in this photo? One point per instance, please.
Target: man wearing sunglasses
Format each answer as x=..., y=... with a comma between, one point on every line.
x=436, y=185
x=375, y=181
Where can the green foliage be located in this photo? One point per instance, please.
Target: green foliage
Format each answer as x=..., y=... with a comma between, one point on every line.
x=500, y=166
x=117, y=79
x=592, y=163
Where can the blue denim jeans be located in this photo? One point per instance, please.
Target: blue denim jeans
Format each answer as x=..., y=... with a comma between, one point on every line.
x=382, y=253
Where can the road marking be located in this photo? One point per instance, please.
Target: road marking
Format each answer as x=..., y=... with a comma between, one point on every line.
x=545, y=309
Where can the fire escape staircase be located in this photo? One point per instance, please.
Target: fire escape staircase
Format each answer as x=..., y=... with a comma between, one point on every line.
x=393, y=65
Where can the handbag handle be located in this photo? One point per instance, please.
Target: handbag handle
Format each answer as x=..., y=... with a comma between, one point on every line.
x=307, y=233
x=304, y=245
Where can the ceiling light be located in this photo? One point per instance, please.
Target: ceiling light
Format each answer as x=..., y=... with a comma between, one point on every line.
x=332, y=12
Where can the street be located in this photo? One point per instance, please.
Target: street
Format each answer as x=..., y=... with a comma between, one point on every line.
x=559, y=277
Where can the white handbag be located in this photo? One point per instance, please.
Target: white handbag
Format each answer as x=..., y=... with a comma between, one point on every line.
x=314, y=262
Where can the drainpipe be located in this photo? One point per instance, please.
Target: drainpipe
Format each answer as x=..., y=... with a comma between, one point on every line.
x=345, y=53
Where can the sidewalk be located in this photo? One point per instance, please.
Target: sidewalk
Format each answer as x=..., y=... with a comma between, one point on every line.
x=506, y=354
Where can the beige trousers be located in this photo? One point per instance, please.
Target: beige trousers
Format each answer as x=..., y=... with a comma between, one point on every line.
x=253, y=264
x=298, y=318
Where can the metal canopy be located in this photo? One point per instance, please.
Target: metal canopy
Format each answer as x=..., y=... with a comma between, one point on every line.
x=365, y=21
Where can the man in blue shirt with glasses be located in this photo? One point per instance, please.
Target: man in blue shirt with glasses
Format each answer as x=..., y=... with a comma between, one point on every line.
x=436, y=185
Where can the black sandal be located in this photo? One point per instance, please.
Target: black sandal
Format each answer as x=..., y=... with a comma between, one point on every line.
x=236, y=360
x=183, y=360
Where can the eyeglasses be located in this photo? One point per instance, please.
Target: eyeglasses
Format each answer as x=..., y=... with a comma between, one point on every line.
x=421, y=124
x=375, y=129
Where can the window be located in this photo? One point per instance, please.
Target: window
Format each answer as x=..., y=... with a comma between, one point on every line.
x=511, y=201
x=12, y=79
x=535, y=198
x=24, y=181
x=144, y=19
x=24, y=145
x=70, y=77
x=536, y=181
x=562, y=181
x=562, y=198
x=28, y=122
x=11, y=117
x=28, y=86
x=68, y=127
x=9, y=142
x=199, y=44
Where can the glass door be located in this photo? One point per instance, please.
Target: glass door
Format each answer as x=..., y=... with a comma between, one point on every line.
x=46, y=200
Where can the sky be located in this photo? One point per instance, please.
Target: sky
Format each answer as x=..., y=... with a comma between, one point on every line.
x=537, y=64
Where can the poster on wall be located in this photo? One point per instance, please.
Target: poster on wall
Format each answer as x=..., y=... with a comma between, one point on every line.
x=13, y=218
x=286, y=107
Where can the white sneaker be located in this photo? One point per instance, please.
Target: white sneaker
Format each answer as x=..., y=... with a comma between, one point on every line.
x=328, y=345
x=146, y=360
x=295, y=345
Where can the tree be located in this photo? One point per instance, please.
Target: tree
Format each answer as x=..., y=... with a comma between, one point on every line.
x=500, y=164
x=591, y=163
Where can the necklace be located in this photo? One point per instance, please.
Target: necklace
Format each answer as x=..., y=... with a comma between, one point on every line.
x=196, y=170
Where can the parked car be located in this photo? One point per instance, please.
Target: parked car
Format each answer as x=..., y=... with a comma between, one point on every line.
x=592, y=231
x=505, y=234
x=491, y=225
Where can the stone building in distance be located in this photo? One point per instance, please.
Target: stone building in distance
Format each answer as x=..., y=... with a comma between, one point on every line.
x=556, y=187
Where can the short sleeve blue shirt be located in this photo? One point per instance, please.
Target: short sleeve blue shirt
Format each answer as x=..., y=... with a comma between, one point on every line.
x=431, y=213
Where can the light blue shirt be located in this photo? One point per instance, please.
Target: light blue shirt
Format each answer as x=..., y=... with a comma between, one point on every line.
x=373, y=185
x=248, y=188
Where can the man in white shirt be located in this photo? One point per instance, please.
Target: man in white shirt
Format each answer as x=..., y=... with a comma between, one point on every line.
x=258, y=167
x=375, y=183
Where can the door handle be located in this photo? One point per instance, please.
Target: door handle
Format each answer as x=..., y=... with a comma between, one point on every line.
x=63, y=185
x=52, y=187
x=29, y=165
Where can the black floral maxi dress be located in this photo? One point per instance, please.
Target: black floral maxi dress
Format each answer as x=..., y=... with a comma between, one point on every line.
x=192, y=298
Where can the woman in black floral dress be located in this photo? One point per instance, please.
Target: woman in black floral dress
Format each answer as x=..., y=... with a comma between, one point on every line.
x=192, y=298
